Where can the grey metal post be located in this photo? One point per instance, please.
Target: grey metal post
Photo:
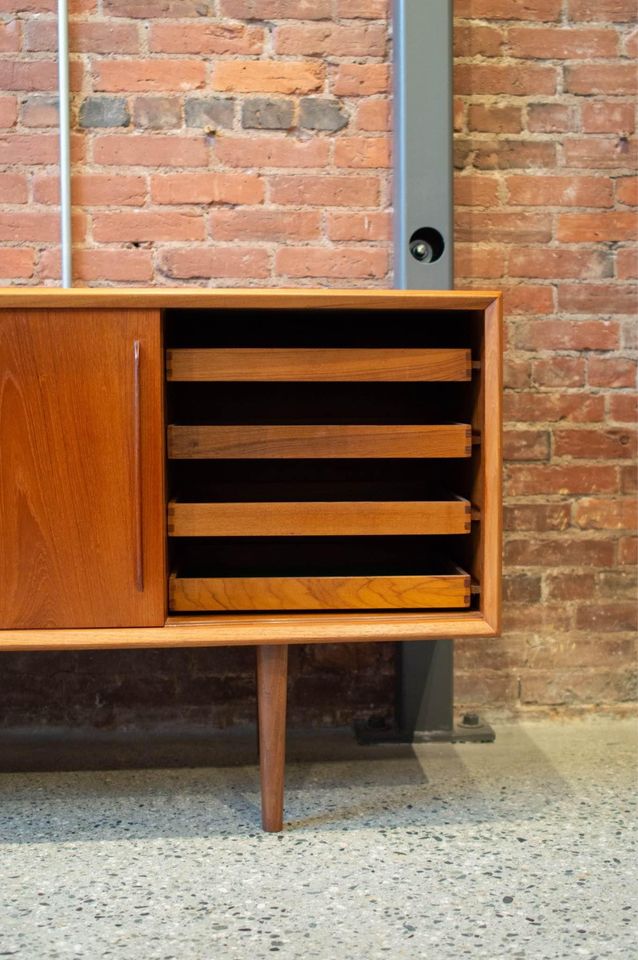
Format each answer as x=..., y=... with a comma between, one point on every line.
x=423, y=201
x=422, y=111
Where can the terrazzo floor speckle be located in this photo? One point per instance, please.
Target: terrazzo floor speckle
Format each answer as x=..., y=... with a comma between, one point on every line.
x=525, y=848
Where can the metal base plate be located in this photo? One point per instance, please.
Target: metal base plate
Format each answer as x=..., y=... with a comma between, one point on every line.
x=461, y=733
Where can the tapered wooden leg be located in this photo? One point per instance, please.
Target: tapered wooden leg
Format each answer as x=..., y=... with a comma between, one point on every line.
x=272, y=679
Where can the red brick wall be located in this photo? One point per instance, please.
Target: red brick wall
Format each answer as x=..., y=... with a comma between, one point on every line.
x=245, y=142
x=205, y=151
x=546, y=209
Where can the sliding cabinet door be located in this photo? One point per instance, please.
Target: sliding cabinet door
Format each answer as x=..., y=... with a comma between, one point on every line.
x=81, y=469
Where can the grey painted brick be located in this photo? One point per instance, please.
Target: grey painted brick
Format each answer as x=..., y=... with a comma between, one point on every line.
x=209, y=112
x=40, y=110
x=157, y=113
x=318, y=114
x=263, y=113
x=104, y=112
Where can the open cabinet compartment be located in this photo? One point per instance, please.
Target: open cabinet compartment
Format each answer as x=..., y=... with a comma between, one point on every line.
x=324, y=460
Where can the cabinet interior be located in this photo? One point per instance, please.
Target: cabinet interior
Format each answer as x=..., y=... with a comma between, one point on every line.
x=348, y=509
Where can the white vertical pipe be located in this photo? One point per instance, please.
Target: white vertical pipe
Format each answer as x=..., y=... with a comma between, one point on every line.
x=66, y=238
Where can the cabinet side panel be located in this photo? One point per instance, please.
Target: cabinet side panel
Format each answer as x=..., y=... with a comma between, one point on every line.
x=492, y=509
x=81, y=468
x=487, y=462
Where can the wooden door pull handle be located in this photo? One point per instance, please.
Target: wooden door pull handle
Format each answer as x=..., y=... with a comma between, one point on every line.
x=137, y=469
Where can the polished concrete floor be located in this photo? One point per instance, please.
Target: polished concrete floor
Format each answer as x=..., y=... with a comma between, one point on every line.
x=524, y=848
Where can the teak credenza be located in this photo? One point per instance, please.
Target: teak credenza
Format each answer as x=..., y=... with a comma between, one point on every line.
x=208, y=467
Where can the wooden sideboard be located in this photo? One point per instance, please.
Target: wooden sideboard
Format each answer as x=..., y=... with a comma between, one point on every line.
x=214, y=467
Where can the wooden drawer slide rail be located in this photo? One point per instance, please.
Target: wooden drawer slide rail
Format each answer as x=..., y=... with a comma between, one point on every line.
x=319, y=442
x=447, y=590
x=319, y=364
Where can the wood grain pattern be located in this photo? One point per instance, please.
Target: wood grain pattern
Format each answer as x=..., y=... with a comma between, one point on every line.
x=160, y=298
x=318, y=593
x=330, y=441
x=327, y=518
x=227, y=629
x=317, y=365
x=272, y=684
x=69, y=515
x=491, y=525
x=59, y=581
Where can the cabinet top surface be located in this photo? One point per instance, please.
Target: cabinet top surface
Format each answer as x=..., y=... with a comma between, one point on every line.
x=162, y=297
